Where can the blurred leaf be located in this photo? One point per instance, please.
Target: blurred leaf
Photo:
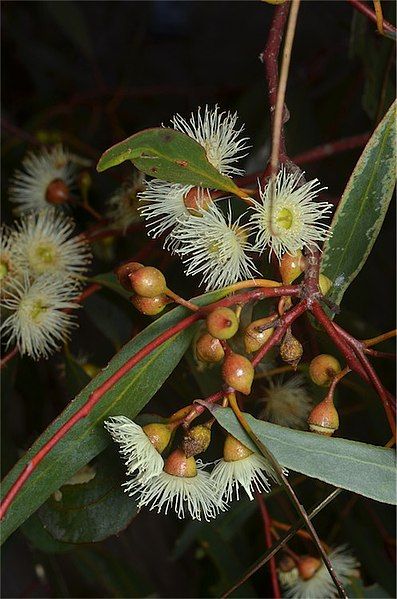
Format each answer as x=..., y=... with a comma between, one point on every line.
x=357, y=467
x=69, y=18
x=357, y=589
x=41, y=539
x=169, y=155
x=362, y=209
x=112, y=319
x=75, y=376
x=109, y=280
x=87, y=437
x=115, y=575
x=91, y=511
x=376, y=54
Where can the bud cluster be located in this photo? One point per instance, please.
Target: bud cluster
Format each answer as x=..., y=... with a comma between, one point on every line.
x=147, y=283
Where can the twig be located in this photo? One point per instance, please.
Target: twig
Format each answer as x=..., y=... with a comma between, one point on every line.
x=388, y=28
x=268, y=539
x=331, y=148
x=275, y=548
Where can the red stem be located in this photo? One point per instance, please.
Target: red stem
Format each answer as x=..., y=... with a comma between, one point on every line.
x=270, y=59
x=333, y=147
x=370, y=14
x=268, y=539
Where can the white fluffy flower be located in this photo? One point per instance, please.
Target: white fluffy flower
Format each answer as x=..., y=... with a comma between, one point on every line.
x=139, y=453
x=320, y=585
x=287, y=403
x=38, y=323
x=241, y=467
x=29, y=186
x=7, y=264
x=163, y=206
x=216, y=131
x=42, y=243
x=215, y=247
x=294, y=220
x=183, y=486
x=123, y=204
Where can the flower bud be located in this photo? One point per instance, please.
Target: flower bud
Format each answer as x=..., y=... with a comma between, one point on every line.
x=291, y=267
x=238, y=372
x=177, y=464
x=308, y=566
x=158, y=434
x=91, y=369
x=234, y=450
x=196, y=440
x=123, y=272
x=323, y=369
x=325, y=284
x=222, y=323
x=209, y=349
x=148, y=281
x=150, y=306
x=57, y=192
x=197, y=199
x=324, y=419
x=291, y=349
x=287, y=571
x=254, y=337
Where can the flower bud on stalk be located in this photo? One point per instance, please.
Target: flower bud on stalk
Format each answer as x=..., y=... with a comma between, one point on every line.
x=148, y=281
x=209, y=349
x=150, y=306
x=222, y=323
x=291, y=349
x=308, y=566
x=197, y=199
x=323, y=369
x=324, y=418
x=256, y=334
x=291, y=266
x=238, y=372
x=197, y=440
x=123, y=272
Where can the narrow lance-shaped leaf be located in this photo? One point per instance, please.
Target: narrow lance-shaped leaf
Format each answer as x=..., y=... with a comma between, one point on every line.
x=362, y=208
x=358, y=467
x=169, y=155
x=87, y=437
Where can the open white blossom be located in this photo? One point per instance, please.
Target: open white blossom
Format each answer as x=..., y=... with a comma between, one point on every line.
x=29, y=186
x=287, y=403
x=139, y=453
x=294, y=220
x=320, y=585
x=163, y=207
x=123, y=204
x=8, y=268
x=241, y=467
x=42, y=243
x=38, y=323
x=215, y=247
x=183, y=486
x=216, y=131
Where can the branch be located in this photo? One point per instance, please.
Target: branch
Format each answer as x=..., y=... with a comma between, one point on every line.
x=268, y=538
x=388, y=29
x=331, y=148
x=275, y=548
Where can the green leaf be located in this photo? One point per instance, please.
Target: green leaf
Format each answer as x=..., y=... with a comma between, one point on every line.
x=109, y=280
x=358, y=467
x=362, y=209
x=87, y=437
x=169, y=155
x=79, y=513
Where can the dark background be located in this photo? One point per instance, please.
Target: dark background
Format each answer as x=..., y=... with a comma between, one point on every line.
x=92, y=73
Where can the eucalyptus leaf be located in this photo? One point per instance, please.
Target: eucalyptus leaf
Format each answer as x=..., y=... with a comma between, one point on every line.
x=362, y=209
x=169, y=155
x=90, y=511
x=87, y=437
x=364, y=469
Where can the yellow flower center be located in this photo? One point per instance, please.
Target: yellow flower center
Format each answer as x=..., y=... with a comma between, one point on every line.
x=36, y=309
x=45, y=255
x=285, y=218
x=3, y=270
